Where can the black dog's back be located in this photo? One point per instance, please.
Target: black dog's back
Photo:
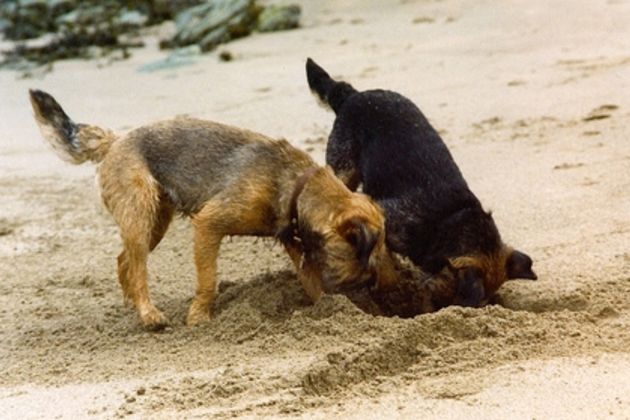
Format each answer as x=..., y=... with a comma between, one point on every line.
x=387, y=136
x=394, y=137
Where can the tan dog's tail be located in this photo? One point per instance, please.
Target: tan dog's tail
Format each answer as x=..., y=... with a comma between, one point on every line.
x=74, y=143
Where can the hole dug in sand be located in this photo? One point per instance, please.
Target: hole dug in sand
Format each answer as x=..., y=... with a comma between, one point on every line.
x=279, y=296
x=242, y=308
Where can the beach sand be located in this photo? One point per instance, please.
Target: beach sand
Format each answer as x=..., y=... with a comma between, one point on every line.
x=532, y=99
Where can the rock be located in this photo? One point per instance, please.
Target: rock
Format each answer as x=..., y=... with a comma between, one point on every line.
x=33, y=4
x=4, y=24
x=60, y=7
x=219, y=21
x=178, y=58
x=130, y=19
x=28, y=18
x=215, y=22
x=72, y=27
x=216, y=37
x=105, y=17
x=168, y=9
x=279, y=18
x=225, y=56
x=8, y=9
x=84, y=18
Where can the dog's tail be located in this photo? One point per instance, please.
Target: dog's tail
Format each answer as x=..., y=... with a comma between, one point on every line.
x=74, y=143
x=331, y=92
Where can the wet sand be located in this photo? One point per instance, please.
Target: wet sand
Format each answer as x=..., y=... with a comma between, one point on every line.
x=532, y=99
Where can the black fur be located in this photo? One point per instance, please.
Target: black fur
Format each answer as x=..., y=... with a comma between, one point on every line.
x=470, y=290
x=381, y=140
x=519, y=265
x=330, y=92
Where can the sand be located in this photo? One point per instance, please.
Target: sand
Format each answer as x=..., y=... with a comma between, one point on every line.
x=532, y=99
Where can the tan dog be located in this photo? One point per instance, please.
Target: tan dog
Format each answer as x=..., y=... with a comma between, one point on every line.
x=229, y=182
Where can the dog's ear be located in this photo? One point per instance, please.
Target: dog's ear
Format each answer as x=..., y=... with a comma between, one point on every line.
x=470, y=290
x=519, y=266
x=356, y=231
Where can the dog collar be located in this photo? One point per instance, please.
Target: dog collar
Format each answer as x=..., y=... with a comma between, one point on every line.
x=291, y=233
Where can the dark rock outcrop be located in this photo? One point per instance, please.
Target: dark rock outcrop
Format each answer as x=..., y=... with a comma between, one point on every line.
x=89, y=28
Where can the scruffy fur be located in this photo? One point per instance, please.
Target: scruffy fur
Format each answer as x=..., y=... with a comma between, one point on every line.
x=382, y=141
x=228, y=181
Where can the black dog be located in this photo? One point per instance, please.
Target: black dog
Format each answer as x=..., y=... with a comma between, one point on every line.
x=381, y=140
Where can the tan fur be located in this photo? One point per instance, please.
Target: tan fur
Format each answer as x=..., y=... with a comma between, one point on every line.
x=255, y=201
x=493, y=267
x=442, y=287
x=97, y=141
x=341, y=208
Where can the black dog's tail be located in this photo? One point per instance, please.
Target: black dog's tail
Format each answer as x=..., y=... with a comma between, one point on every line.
x=74, y=143
x=330, y=92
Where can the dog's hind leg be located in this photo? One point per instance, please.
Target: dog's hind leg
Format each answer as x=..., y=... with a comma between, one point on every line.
x=163, y=220
x=138, y=242
x=206, y=250
x=132, y=196
x=137, y=252
x=123, y=275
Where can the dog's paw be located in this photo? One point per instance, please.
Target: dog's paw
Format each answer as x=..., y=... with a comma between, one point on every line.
x=197, y=315
x=153, y=320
